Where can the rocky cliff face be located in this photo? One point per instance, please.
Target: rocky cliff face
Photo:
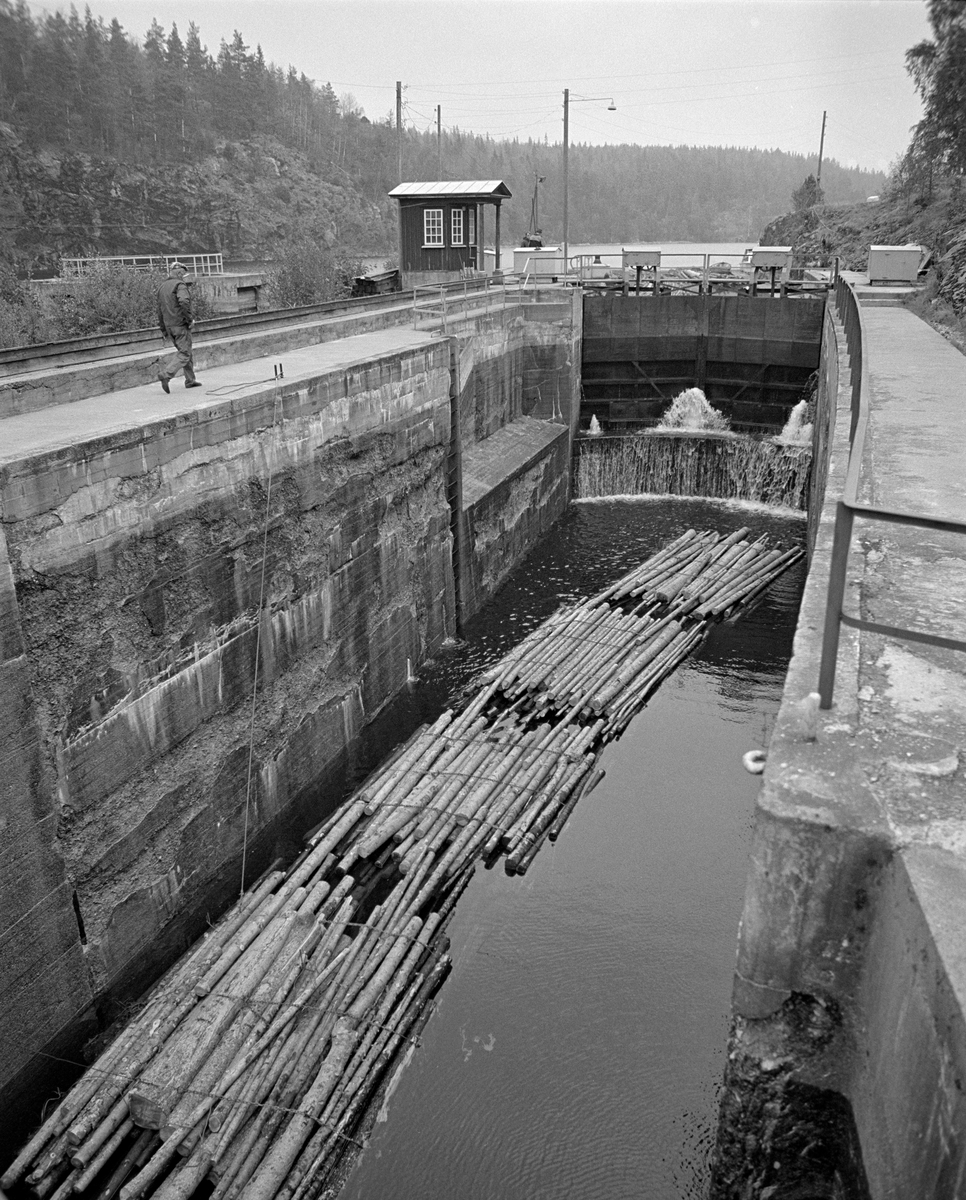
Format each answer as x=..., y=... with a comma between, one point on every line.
x=243, y=200
x=820, y=233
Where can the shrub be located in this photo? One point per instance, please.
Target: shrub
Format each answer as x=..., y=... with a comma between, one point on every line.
x=109, y=299
x=25, y=318
x=306, y=273
x=21, y=325
x=930, y=306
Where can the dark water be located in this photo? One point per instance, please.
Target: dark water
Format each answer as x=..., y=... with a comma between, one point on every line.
x=578, y=1044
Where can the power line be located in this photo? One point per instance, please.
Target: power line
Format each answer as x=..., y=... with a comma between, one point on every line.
x=689, y=72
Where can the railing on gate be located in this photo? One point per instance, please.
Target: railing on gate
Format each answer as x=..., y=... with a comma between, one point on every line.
x=687, y=272
x=438, y=302
x=848, y=508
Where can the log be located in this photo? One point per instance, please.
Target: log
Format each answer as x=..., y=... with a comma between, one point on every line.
x=383, y=1019
x=409, y=1027
x=55, y=1153
x=477, y=796
x=51, y=1179
x=539, y=832
x=150, y=1158
x=293, y=940
x=103, y=1131
x=284, y=1151
x=91, y=1098
x=615, y=589
x=115, y=1120
x=423, y=749
x=559, y=822
x=57, y=1187
x=93, y=1162
x=174, y=1070
x=182, y=1183
x=627, y=673
x=279, y=1078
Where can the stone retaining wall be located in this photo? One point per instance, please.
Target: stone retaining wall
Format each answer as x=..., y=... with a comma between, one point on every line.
x=304, y=535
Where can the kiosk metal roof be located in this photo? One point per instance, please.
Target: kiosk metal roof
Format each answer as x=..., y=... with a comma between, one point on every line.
x=464, y=189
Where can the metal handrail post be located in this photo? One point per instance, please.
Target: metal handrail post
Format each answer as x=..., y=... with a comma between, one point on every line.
x=857, y=357
x=841, y=541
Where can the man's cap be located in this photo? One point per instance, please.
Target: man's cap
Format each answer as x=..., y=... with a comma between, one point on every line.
x=177, y=266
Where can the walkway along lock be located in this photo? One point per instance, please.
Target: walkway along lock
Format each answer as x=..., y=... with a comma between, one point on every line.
x=848, y=508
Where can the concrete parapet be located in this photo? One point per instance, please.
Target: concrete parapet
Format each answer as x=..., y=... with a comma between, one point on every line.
x=41, y=387
x=232, y=293
x=857, y=887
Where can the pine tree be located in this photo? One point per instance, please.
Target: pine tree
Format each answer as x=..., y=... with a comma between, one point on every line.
x=808, y=194
x=93, y=73
x=939, y=71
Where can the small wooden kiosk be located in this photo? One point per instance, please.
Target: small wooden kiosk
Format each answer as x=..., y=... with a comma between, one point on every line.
x=441, y=227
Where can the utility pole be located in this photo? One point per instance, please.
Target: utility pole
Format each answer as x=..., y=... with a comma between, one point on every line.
x=821, y=148
x=439, y=141
x=566, y=139
x=611, y=107
x=399, y=128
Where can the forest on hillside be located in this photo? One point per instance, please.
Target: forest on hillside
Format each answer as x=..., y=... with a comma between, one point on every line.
x=112, y=143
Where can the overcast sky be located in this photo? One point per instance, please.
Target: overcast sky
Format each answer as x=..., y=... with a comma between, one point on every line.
x=695, y=72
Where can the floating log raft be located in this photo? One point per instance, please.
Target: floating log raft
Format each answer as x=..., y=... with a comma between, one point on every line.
x=252, y=1062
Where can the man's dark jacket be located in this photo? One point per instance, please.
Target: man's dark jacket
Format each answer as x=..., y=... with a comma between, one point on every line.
x=174, y=305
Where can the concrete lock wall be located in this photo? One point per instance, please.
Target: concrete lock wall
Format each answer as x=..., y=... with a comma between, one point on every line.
x=851, y=969
x=517, y=408
x=136, y=605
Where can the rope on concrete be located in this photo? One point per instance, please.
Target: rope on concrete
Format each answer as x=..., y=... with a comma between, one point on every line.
x=258, y=646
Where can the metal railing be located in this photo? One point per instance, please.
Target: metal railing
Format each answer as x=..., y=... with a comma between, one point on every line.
x=197, y=264
x=848, y=508
x=689, y=271
x=438, y=302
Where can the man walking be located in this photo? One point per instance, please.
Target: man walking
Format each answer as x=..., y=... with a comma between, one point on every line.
x=174, y=321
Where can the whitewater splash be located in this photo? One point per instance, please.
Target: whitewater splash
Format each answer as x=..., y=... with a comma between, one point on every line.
x=691, y=410
x=797, y=431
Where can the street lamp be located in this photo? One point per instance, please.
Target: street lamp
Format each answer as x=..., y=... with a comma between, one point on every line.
x=611, y=107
